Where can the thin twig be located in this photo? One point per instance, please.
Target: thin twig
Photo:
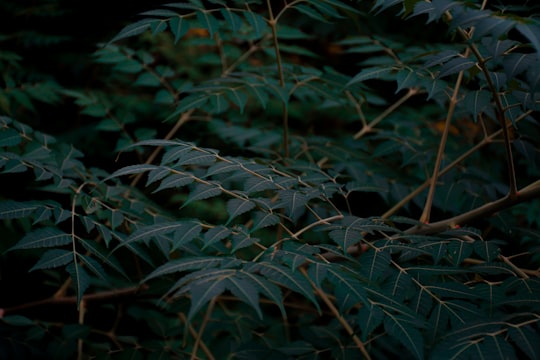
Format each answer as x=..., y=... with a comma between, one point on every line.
x=105, y=295
x=518, y=271
x=185, y=117
x=369, y=127
x=80, y=343
x=193, y=333
x=337, y=315
x=485, y=141
x=424, y=218
x=319, y=222
x=285, y=121
x=198, y=338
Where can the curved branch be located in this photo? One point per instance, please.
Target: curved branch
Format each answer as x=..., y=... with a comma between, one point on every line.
x=527, y=193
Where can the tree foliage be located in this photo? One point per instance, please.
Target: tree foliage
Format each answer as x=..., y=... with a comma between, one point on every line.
x=302, y=179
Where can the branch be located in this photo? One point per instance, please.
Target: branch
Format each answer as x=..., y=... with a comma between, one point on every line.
x=340, y=318
x=487, y=140
x=426, y=213
x=367, y=128
x=181, y=121
x=105, y=295
x=529, y=192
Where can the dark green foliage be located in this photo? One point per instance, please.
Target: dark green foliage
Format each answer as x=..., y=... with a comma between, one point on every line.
x=300, y=180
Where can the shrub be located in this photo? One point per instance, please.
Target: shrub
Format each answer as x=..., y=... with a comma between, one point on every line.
x=306, y=179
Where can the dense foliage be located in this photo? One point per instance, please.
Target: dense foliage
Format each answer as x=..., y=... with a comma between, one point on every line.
x=273, y=179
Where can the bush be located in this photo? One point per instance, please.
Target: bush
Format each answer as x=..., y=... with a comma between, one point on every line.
x=306, y=179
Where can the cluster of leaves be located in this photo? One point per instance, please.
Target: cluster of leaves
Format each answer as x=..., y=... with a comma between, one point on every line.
x=383, y=210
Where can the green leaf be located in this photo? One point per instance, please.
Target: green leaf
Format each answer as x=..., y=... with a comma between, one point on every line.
x=237, y=207
x=159, y=13
x=456, y=65
x=190, y=102
x=189, y=263
x=527, y=339
x=46, y=237
x=94, y=266
x=531, y=31
x=477, y=102
x=269, y=289
x=18, y=320
x=216, y=234
x=10, y=209
x=312, y=13
x=409, y=6
x=459, y=251
x=241, y=240
x=175, y=152
x=202, y=192
x=294, y=203
x=104, y=256
x=297, y=348
x=285, y=277
x=10, y=137
x=196, y=158
x=134, y=29
x=186, y=232
x=452, y=290
x=257, y=22
x=131, y=169
x=343, y=6
x=207, y=21
x=145, y=233
x=148, y=79
x=202, y=291
x=375, y=264
x=370, y=73
x=345, y=238
x=175, y=181
x=80, y=280
x=256, y=184
x=234, y=21
x=53, y=259
x=403, y=331
x=263, y=219
x=246, y=290
x=515, y=64
x=348, y=289
x=487, y=251
x=370, y=317
x=221, y=167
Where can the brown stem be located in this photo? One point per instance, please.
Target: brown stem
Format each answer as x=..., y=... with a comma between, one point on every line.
x=193, y=333
x=340, y=318
x=367, y=128
x=487, y=140
x=424, y=218
x=527, y=193
x=181, y=121
x=273, y=25
x=198, y=338
x=73, y=299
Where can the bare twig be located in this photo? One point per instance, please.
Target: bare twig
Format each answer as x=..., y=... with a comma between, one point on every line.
x=424, y=218
x=369, y=127
x=185, y=117
x=488, y=139
x=272, y=21
x=198, y=338
x=101, y=296
x=193, y=333
x=340, y=318
x=529, y=192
